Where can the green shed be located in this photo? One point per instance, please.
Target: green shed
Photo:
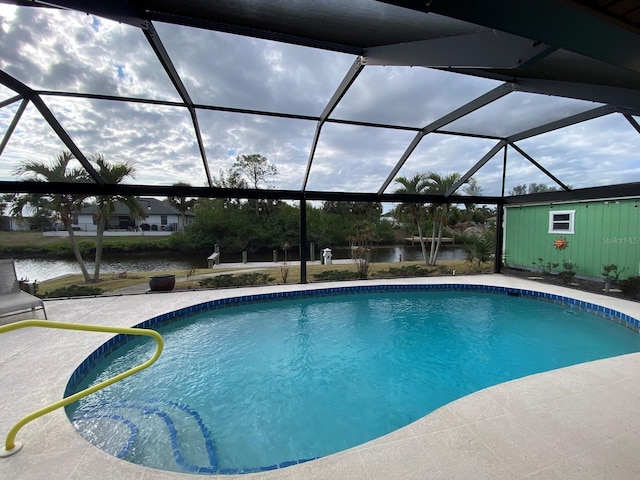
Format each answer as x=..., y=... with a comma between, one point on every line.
x=590, y=234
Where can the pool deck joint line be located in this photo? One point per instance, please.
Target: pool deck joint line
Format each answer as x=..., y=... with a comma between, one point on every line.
x=576, y=422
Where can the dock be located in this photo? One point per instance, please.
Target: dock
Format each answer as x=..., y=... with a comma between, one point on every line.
x=416, y=239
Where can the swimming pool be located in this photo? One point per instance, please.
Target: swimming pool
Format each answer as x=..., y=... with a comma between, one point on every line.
x=351, y=373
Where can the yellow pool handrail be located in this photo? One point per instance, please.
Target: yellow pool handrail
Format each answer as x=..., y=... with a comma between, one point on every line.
x=11, y=446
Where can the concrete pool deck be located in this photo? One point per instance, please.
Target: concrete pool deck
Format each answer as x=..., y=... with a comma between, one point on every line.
x=577, y=422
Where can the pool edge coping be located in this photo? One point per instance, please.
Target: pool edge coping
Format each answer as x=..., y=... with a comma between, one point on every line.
x=601, y=311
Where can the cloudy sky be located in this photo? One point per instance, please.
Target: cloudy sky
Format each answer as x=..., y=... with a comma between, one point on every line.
x=73, y=52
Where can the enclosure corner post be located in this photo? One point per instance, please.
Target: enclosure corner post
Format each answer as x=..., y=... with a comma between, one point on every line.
x=303, y=240
x=497, y=260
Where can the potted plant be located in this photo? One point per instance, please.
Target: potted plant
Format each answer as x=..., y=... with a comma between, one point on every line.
x=162, y=283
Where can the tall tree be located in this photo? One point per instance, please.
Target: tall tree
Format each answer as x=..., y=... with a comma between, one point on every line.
x=106, y=204
x=472, y=188
x=414, y=185
x=256, y=168
x=230, y=179
x=533, y=187
x=64, y=205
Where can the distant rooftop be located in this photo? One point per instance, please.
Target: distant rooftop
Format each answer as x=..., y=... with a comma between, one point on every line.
x=152, y=205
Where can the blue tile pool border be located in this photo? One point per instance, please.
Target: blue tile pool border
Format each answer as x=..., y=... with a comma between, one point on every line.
x=165, y=319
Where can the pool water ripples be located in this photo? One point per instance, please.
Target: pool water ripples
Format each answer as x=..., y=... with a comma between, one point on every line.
x=282, y=382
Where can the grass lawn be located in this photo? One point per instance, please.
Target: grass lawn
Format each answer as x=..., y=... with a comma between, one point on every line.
x=112, y=282
x=37, y=239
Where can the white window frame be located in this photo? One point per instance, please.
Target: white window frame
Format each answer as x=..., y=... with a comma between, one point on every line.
x=552, y=221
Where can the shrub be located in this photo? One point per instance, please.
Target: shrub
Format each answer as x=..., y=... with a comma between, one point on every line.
x=189, y=275
x=478, y=251
x=244, y=280
x=408, y=271
x=545, y=268
x=254, y=278
x=361, y=248
x=568, y=274
x=74, y=291
x=630, y=287
x=219, y=281
x=611, y=273
x=336, y=275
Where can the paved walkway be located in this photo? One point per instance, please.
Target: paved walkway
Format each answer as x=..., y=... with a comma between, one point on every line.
x=581, y=422
x=340, y=261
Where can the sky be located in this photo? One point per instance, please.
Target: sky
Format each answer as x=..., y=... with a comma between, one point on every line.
x=75, y=52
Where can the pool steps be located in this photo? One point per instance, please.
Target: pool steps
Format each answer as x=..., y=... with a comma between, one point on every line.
x=168, y=318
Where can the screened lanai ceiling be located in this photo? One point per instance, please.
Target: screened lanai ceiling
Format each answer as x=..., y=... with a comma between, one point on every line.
x=342, y=97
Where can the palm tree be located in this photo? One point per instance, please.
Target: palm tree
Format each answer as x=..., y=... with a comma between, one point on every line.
x=64, y=206
x=6, y=199
x=414, y=185
x=439, y=184
x=114, y=174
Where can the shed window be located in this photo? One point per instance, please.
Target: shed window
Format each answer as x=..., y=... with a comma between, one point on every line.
x=561, y=221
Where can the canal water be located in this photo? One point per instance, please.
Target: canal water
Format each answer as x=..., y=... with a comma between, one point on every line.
x=41, y=269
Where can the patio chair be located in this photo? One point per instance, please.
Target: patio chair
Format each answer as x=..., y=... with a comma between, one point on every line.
x=12, y=299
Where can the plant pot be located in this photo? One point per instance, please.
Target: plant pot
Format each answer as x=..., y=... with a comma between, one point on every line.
x=162, y=283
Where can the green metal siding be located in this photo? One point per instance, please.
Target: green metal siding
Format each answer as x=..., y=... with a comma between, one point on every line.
x=605, y=233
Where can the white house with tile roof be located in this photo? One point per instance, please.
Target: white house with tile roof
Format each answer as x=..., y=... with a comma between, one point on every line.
x=160, y=217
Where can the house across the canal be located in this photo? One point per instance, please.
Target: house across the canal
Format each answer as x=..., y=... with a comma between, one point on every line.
x=160, y=216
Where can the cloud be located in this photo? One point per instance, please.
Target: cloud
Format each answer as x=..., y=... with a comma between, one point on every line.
x=408, y=96
x=74, y=52
x=600, y=152
x=242, y=72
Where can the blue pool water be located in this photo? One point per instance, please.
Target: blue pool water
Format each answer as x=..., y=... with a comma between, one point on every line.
x=262, y=386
